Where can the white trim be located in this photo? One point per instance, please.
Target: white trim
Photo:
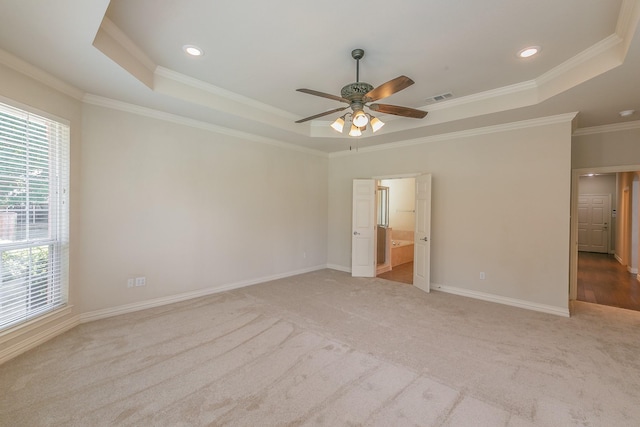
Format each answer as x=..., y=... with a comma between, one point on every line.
x=223, y=93
x=38, y=74
x=632, y=270
x=604, y=45
x=483, y=96
x=627, y=22
x=157, y=302
x=33, y=110
x=398, y=176
x=543, y=308
x=615, y=127
x=339, y=268
x=35, y=323
x=542, y=121
x=607, y=169
x=617, y=257
x=181, y=120
x=37, y=339
x=126, y=43
x=625, y=18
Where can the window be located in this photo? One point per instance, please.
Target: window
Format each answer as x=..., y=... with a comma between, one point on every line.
x=34, y=165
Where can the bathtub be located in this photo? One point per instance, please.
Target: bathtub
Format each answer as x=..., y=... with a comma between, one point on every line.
x=401, y=252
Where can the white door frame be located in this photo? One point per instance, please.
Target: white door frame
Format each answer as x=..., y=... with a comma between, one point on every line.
x=573, y=239
x=401, y=176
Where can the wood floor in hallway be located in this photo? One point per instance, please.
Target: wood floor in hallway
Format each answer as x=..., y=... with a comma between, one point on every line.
x=603, y=280
x=402, y=273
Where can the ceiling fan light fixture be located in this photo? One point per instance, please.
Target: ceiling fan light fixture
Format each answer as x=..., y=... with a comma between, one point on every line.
x=376, y=124
x=338, y=125
x=355, y=131
x=360, y=119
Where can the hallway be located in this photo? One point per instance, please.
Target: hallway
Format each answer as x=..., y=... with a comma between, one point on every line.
x=603, y=280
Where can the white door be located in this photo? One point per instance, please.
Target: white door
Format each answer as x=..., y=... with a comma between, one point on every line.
x=422, y=235
x=363, y=233
x=594, y=212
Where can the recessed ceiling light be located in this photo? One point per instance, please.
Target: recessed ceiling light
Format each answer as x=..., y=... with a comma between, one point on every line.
x=529, y=51
x=626, y=113
x=192, y=50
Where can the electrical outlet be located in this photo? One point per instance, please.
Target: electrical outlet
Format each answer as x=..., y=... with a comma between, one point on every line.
x=130, y=282
x=141, y=281
x=482, y=276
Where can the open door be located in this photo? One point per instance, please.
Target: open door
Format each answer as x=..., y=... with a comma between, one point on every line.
x=363, y=233
x=422, y=235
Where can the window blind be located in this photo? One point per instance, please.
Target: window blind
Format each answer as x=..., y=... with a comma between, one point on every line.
x=34, y=176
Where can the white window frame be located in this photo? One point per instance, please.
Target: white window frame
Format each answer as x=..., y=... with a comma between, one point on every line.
x=16, y=304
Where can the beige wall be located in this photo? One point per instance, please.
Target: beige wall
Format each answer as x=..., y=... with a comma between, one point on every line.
x=23, y=92
x=191, y=209
x=606, y=149
x=500, y=204
x=188, y=208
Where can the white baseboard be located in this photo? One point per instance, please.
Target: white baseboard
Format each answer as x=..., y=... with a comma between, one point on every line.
x=618, y=258
x=37, y=339
x=632, y=270
x=157, y=302
x=339, y=268
x=550, y=309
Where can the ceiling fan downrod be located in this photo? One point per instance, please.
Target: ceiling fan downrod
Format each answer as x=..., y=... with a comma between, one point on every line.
x=355, y=92
x=357, y=54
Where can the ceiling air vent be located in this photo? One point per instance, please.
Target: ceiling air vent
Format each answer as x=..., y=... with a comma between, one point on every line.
x=438, y=98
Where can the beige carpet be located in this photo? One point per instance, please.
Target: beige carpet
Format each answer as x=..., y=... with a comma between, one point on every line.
x=327, y=349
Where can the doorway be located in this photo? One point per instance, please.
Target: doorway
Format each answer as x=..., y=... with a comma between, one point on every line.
x=364, y=236
x=604, y=259
x=396, y=228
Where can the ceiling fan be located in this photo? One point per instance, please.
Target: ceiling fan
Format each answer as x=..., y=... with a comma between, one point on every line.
x=359, y=95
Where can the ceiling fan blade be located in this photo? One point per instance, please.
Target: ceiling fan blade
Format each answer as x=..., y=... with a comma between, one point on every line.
x=335, y=110
x=398, y=111
x=388, y=88
x=324, y=95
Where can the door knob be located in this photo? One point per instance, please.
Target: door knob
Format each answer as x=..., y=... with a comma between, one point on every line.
x=355, y=233
x=425, y=239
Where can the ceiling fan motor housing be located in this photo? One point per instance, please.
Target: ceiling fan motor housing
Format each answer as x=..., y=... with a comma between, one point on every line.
x=356, y=91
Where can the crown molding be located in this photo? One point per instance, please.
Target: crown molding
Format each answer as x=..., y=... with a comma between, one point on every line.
x=483, y=96
x=173, y=118
x=220, y=92
x=560, y=118
x=39, y=75
x=126, y=43
x=615, y=127
x=627, y=18
x=607, y=44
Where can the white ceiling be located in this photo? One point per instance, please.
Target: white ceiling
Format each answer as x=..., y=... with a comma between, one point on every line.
x=257, y=53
